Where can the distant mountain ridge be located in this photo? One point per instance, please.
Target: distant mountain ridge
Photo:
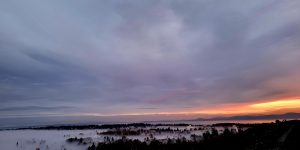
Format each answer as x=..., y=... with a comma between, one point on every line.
x=253, y=117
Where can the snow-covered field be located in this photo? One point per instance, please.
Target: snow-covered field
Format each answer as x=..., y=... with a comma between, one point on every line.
x=56, y=139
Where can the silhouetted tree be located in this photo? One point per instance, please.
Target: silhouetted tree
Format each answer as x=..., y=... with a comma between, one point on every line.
x=93, y=147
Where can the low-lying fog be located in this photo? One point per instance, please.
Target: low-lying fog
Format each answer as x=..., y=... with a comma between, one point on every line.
x=58, y=139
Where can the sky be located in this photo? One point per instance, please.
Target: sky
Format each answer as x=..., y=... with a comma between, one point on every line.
x=136, y=58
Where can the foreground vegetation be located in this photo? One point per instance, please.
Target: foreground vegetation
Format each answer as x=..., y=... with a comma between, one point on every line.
x=283, y=135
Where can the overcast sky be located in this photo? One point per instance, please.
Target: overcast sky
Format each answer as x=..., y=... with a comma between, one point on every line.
x=104, y=57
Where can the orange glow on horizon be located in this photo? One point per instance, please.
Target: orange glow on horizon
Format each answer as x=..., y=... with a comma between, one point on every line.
x=255, y=108
x=278, y=104
x=227, y=109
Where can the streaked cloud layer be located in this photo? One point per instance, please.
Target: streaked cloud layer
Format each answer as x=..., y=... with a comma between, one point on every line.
x=131, y=57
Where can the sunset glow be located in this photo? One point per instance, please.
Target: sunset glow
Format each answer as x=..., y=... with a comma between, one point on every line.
x=260, y=107
x=229, y=109
x=277, y=104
